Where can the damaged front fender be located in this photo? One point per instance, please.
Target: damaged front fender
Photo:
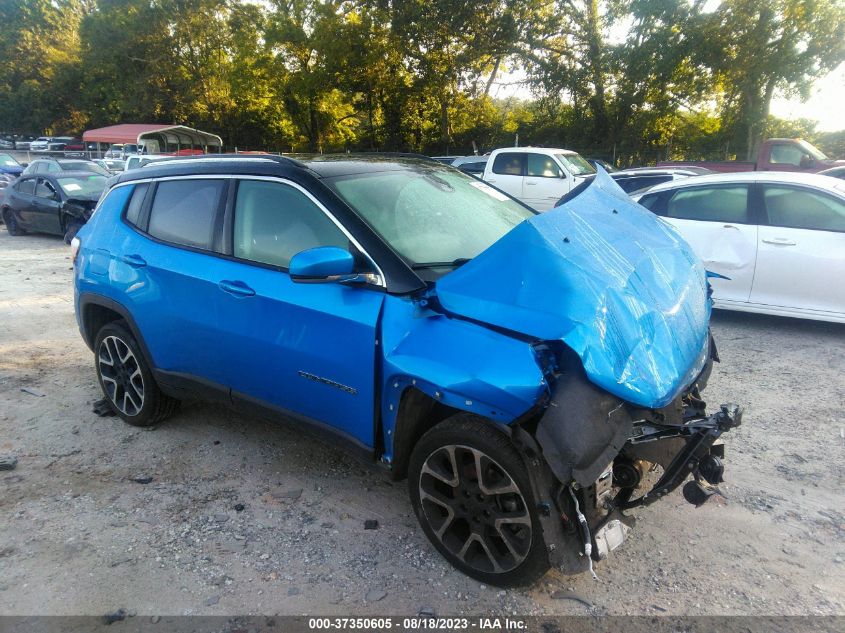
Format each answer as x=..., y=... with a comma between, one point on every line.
x=458, y=364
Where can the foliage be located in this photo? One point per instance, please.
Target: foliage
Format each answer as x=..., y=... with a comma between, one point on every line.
x=626, y=80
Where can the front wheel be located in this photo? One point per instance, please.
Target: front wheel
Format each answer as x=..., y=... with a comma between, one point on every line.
x=126, y=379
x=11, y=223
x=72, y=230
x=471, y=492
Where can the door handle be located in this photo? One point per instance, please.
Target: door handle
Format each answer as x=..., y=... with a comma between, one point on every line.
x=528, y=183
x=491, y=180
x=136, y=261
x=236, y=288
x=779, y=241
x=729, y=226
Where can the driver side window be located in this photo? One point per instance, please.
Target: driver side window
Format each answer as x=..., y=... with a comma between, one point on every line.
x=44, y=190
x=274, y=222
x=788, y=155
x=542, y=166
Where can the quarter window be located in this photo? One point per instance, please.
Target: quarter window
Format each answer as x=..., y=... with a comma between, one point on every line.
x=802, y=209
x=184, y=212
x=133, y=211
x=710, y=204
x=508, y=164
x=542, y=166
x=274, y=222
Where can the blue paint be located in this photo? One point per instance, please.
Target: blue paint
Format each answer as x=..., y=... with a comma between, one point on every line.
x=323, y=261
x=600, y=273
x=607, y=277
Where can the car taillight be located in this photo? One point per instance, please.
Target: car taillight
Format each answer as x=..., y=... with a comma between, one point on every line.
x=74, y=249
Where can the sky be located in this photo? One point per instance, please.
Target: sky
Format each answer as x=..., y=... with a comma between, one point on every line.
x=824, y=105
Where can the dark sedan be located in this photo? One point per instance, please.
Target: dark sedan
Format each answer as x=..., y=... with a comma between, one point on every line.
x=57, y=165
x=52, y=203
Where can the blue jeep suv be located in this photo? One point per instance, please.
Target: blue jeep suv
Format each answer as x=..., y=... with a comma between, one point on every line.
x=535, y=377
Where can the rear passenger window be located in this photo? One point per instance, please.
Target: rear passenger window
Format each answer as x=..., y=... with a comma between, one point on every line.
x=133, y=211
x=274, y=222
x=710, y=204
x=27, y=186
x=184, y=212
x=508, y=164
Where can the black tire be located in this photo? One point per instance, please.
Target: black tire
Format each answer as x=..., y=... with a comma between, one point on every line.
x=127, y=381
x=464, y=516
x=72, y=230
x=11, y=223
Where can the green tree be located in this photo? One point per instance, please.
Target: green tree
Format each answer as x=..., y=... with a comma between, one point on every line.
x=757, y=48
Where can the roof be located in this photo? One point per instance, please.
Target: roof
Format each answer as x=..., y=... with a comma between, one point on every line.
x=786, y=177
x=132, y=133
x=656, y=171
x=322, y=166
x=520, y=150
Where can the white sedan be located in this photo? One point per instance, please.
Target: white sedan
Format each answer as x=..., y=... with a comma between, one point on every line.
x=778, y=237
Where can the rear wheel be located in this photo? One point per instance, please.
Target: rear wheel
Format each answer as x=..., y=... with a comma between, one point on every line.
x=126, y=379
x=471, y=493
x=11, y=223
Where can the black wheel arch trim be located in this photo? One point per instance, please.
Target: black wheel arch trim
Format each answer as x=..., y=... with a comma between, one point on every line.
x=88, y=299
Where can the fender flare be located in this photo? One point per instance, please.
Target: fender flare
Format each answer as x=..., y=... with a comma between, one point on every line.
x=87, y=299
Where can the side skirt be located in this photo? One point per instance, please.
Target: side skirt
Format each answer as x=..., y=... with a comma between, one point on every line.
x=188, y=387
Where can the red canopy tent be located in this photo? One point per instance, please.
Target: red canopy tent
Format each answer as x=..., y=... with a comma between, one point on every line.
x=170, y=138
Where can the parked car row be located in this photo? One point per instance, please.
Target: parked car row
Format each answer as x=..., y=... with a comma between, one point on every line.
x=16, y=141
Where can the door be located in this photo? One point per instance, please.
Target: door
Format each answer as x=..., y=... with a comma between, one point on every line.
x=306, y=348
x=717, y=222
x=801, y=255
x=23, y=202
x=545, y=182
x=45, y=207
x=507, y=173
x=170, y=275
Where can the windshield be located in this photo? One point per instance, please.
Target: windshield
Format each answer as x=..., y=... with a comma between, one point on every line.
x=432, y=216
x=7, y=161
x=82, y=186
x=812, y=150
x=576, y=164
x=84, y=165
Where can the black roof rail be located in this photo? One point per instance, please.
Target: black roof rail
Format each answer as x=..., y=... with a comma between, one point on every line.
x=282, y=160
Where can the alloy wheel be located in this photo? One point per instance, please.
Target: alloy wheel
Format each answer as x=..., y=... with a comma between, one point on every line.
x=121, y=375
x=475, y=509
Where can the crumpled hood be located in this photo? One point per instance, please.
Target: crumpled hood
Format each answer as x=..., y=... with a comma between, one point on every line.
x=608, y=278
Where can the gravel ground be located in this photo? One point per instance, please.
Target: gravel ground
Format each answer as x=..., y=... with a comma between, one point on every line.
x=243, y=516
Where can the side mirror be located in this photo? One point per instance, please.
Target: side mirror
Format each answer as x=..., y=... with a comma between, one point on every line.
x=323, y=264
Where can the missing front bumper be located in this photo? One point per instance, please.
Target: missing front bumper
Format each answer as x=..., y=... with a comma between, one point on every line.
x=607, y=453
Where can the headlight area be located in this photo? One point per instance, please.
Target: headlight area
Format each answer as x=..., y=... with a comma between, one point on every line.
x=604, y=456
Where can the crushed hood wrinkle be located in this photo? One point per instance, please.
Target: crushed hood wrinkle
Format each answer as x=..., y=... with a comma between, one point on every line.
x=605, y=276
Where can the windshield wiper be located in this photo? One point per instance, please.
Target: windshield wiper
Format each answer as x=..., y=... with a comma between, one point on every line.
x=454, y=264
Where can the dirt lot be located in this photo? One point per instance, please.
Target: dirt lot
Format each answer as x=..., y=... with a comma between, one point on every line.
x=79, y=536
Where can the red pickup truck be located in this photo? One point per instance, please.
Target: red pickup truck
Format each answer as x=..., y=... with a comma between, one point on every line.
x=774, y=154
